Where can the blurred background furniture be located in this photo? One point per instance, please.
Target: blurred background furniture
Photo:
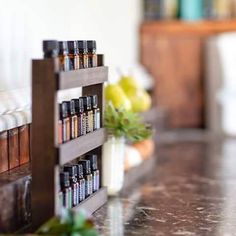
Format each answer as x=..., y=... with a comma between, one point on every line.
x=173, y=53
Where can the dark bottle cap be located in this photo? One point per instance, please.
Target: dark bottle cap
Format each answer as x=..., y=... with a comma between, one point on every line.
x=91, y=44
x=50, y=48
x=82, y=46
x=86, y=166
x=64, y=179
x=80, y=173
x=63, y=110
x=87, y=103
x=93, y=161
x=63, y=48
x=73, y=47
x=72, y=170
x=94, y=101
x=72, y=107
x=79, y=105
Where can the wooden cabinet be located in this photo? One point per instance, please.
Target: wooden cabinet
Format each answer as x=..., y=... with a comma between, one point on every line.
x=173, y=52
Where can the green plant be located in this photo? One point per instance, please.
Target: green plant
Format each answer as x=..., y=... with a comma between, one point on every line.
x=123, y=123
x=69, y=223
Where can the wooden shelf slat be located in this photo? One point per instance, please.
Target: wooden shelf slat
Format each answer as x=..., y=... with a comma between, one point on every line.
x=77, y=147
x=93, y=202
x=82, y=77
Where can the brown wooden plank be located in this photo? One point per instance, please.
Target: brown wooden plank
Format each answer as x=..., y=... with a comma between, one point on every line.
x=93, y=202
x=82, y=77
x=44, y=153
x=173, y=52
x=13, y=148
x=24, y=144
x=3, y=152
x=77, y=147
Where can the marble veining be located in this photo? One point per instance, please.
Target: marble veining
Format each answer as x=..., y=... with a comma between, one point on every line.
x=192, y=191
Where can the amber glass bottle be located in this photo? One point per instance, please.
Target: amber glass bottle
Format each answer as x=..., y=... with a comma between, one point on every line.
x=65, y=122
x=96, y=112
x=73, y=55
x=92, y=56
x=63, y=56
x=73, y=119
x=89, y=113
x=81, y=115
x=83, y=54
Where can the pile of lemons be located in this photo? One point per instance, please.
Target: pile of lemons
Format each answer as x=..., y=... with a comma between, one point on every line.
x=129, y=94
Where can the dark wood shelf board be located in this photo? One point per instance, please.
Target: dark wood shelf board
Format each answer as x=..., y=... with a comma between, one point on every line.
x=93, y=202
x=77, y=147
x=12, y=176
x=82, y=77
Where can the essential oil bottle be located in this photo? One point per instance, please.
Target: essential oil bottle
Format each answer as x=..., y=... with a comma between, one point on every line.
x=72, y=170
x=73, y=119
x=88, y=177
x=63, y=56
x=65, y=122
x=66, y=190
x=89, y=113
x=92, y=56
x=96, y=112
x=81, y=181
x=83, y=54
x=60, y=126
x=50, y=48
x=95, y=172
x=73, y=54
x=81, y=115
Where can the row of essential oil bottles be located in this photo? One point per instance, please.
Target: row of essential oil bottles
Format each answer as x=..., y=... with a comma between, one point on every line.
x=73, y=55
x=78, y=117
x=79, y=181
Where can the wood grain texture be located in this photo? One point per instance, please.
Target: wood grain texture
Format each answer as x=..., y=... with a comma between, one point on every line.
x=77, y=147
x=173, y=52
x=82, y=77
x=3, y=152
x=44, y=153
x=24, y=144
x=13, y=148
x=93, y=202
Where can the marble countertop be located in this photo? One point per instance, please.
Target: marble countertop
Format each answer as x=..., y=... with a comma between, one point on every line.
x=192, y=191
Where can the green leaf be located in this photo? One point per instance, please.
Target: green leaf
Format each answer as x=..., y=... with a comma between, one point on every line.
x=120, y=122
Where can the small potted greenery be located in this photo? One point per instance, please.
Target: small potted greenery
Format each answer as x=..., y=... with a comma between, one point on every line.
x=121, y=125
x=69, y=223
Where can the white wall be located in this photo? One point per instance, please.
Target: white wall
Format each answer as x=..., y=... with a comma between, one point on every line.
x=25, y=23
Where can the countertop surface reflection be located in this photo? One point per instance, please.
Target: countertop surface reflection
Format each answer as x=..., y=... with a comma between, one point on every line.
x=192, y=191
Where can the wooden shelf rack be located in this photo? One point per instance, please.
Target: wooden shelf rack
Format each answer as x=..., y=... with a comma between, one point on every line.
x=47, y=156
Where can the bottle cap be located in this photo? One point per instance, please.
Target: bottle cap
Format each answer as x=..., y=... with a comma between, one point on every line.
x=50, y=48
x=73, y=46
x=63, y=48
x=87, y=102
x=91, y=44
x=93, y=161
x=72, y=107
x=80, y=173
x=72, y=170
x=64, y=179
x=94, y=101
x=86, y=166
x=82, y=46
x=63, y=110
x=79, y=105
